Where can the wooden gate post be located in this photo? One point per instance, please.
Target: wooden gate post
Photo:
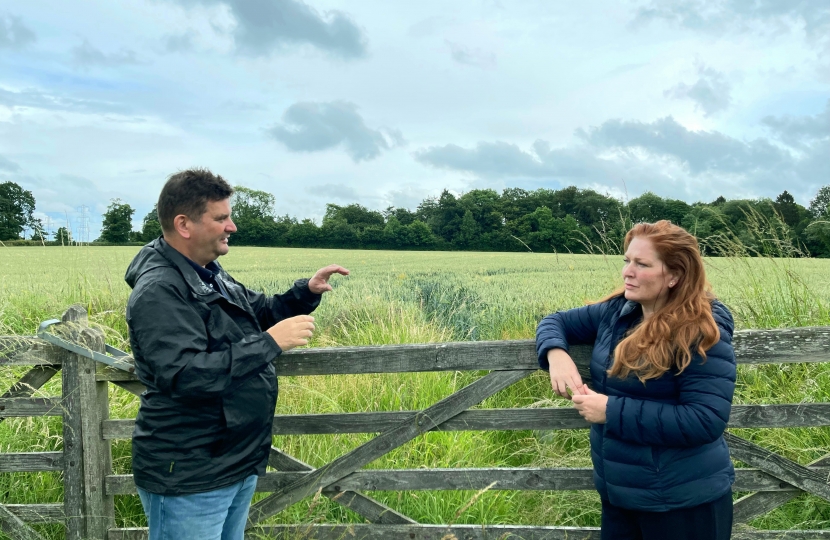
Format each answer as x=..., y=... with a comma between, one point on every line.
x=87, y=456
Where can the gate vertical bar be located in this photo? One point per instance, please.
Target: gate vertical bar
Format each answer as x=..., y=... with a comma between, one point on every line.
x=99, y=508
x=73, y=474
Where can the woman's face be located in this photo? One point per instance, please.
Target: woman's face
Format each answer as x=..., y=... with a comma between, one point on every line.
x=647, y=280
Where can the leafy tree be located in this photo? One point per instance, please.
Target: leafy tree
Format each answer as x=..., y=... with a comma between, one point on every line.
x=150, y=226
x=484, y=205
x=63, y=237
x=467, y=232
x=544, y=232
x=16, y=208
x=253, y=214
x=117, y=222
x=372, y=237
x=38, y=230
x=786, y=206
x=420, y=234
x=820, y=205
x=303, y=234
x=354, y=215
x=403, y=215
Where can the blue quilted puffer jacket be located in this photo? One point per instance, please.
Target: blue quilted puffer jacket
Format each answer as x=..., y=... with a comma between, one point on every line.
x=662, y=445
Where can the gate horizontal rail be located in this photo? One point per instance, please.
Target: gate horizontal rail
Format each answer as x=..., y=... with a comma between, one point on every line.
x=88, y=511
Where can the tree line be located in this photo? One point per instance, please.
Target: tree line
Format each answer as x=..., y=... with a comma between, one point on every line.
x=543, y=220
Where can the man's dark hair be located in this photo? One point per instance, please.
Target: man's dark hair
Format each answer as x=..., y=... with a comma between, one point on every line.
x=188, y=192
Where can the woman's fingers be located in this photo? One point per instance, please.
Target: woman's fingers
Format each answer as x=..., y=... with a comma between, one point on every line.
x=576, y=385
x=563, y=390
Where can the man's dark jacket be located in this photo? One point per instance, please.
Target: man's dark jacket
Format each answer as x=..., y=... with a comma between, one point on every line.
x=205, y=419
x=662, y=445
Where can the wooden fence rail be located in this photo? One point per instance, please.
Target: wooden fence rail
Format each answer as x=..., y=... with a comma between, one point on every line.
x=89, y=483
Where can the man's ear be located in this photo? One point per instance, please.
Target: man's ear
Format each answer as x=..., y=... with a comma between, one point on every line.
x=182, y=225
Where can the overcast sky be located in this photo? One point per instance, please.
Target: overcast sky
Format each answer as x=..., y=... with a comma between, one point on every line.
x=387, y=102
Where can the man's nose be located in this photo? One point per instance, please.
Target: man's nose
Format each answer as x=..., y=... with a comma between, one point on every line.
x=231, y=227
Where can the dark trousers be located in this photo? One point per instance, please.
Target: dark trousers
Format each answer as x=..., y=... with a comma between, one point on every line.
x=709, y=521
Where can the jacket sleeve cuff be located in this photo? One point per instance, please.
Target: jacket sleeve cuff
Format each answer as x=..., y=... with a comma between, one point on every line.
x=276, y=350
x=304, y=294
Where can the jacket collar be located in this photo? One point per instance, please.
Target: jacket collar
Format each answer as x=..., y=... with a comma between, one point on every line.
x=191, y=277
x=629, y=307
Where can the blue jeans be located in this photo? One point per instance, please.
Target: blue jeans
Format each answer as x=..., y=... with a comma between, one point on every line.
x=214, y=515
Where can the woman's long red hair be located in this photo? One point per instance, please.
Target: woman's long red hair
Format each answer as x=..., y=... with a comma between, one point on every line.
x=684, y=324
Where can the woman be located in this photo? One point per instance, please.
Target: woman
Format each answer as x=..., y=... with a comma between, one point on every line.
x=663, y=375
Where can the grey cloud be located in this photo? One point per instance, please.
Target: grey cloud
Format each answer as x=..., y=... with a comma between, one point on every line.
x=335, y=191
x=263, y=26
x=8, y=165
x=662, y=156
x=312, y=127
x=711, y=92
x=87, y=55
x=175, y=43
x=36, y=99
x=14, y=34
x=471, y=57
x=798, y=131
x=700, y=151
x=719, y=15
x=504, y=160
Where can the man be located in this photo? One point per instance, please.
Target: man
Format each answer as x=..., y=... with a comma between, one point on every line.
x=204, y=346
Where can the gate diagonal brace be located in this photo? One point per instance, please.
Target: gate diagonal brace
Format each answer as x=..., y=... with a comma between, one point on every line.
x=778, y=466
x=418, y=423
x=757, y=504
x=369, y=508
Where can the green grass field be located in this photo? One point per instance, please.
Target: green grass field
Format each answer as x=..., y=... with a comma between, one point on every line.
x=416, y=297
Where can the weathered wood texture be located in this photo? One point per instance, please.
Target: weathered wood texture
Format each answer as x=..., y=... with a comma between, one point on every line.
x=372, y=510
x=73, y=491
x=743, y=416
x=445, y=532
x=88, y=509
x=37, y=514
x=31, y=381
x=17, y=407
x=810, y=344
x=31, y=462
x=782, y=468
x=471, y=395
x=28, y=351
x=11, y=345
x=99, y=508
x=755, y=505
x=14, y=527
x=495, y=478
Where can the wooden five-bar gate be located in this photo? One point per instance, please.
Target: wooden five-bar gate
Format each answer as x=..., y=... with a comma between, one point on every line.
x=89, y=484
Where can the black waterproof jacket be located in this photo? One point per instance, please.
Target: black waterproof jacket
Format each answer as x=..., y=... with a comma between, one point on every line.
x=205, y=419
x=662, y=445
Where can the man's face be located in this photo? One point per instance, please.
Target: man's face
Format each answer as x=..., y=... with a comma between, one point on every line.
x=209, y=236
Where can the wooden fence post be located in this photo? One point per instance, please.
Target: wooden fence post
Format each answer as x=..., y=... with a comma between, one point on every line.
x=88, y=459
